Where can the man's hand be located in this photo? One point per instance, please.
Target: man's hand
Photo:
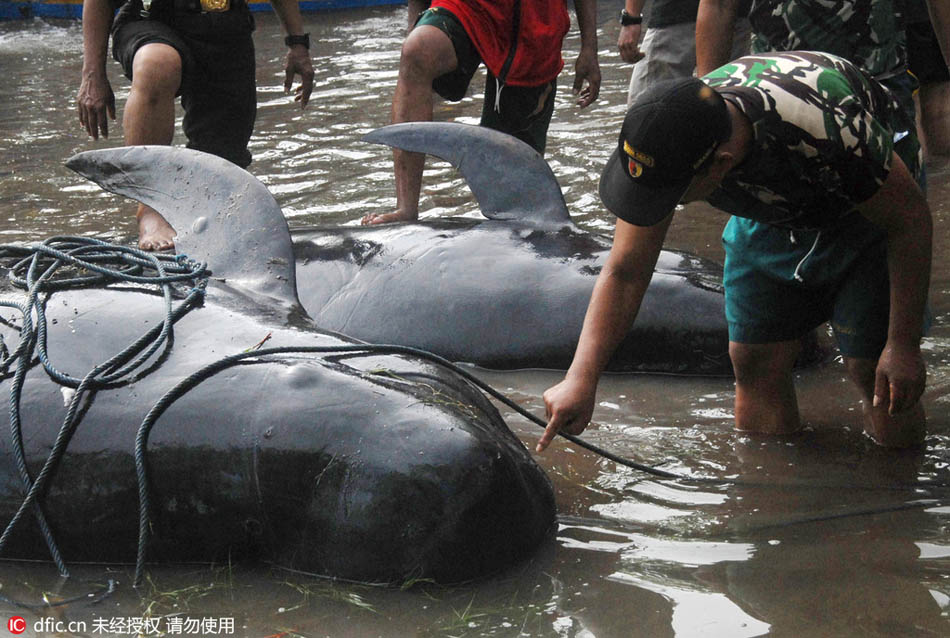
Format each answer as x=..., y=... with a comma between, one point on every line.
x=629, y=43
x=900, y=379
x=298, y=63
x=586, y=68
x=568, y=406
x=96, y=104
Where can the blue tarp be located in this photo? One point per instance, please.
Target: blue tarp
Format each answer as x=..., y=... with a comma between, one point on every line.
x=15, y=10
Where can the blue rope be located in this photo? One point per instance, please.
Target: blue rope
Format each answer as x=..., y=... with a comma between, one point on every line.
x=95, y=263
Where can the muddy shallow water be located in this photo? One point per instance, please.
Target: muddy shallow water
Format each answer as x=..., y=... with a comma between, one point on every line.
x=827, y=550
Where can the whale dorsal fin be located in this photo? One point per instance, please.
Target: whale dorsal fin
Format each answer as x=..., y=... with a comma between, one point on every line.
x=510, y=180
x=223, y=215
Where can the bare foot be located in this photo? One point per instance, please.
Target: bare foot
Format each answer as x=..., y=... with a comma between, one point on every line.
x=155, y=233
x=387, y=218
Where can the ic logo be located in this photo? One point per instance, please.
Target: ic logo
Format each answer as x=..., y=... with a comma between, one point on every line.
x=16, y=625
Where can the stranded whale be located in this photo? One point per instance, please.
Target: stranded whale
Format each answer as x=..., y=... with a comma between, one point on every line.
x=366, y=465
x=508, y=291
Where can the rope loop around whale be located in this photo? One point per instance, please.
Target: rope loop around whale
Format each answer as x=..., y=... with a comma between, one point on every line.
x=38, y=269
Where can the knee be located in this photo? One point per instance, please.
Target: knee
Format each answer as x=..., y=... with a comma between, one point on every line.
x=762, y=364
x=426, y=55
x=156, y=71
x=745, y=364
x=415, y=62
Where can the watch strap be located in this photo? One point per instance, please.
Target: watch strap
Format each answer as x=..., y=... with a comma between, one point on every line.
x=304, y=39
x=626, y=19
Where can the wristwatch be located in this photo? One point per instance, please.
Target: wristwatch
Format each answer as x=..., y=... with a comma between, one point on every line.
x=626, y=19
x=304, y=39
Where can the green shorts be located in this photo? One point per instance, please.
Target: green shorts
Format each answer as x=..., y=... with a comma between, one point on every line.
x=523, y=111
x=780, y=285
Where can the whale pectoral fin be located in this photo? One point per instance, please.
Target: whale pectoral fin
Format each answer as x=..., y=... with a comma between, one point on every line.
x=223, y=215
x=509, y=179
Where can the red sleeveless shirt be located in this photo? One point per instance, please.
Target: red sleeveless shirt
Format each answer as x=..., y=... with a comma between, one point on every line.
x=522, y=49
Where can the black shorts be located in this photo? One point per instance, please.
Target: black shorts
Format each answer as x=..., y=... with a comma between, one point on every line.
x=923, y=54
x=218, y=88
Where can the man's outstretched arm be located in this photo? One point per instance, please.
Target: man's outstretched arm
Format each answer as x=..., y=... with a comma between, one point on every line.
x=614, y=305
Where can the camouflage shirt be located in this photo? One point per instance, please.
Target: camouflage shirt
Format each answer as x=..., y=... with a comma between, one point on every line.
x=866, y=32
x=823, y=138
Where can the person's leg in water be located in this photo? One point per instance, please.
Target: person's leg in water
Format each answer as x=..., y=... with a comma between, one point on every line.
x=427, y=54
x=765, y=394
x=766, y=402
x=149, y=118
x=765, y=390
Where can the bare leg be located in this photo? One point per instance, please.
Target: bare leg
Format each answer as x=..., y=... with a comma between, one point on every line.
x=933, y=118
x=906, y=429
x=149, y=118
x=765, y=389
x=426, y=54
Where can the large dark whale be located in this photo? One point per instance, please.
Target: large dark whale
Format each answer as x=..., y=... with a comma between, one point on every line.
x=365, y=466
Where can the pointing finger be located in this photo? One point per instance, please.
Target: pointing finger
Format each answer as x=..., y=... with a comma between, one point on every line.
x=549, y=433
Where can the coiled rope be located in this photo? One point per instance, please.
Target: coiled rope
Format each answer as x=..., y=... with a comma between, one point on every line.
x=95, y=263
